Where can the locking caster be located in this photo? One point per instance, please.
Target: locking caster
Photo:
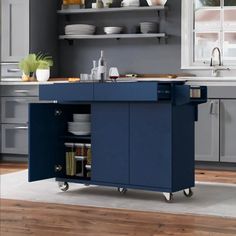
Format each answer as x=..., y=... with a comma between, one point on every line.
x=122, y=190
x=168, y=197
x=188, y=192
x=63, y=186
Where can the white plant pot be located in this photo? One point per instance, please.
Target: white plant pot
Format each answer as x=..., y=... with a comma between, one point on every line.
x=42, y=75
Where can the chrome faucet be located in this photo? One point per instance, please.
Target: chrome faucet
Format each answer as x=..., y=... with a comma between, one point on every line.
x=219, y=56
x=216, y=67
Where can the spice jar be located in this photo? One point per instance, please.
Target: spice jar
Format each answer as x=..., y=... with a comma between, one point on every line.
x=80, y=166
x=88, y=153
x=70, y=159
x=79, y=149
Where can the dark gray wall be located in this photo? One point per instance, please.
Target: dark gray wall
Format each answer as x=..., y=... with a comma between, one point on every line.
x=129, y=55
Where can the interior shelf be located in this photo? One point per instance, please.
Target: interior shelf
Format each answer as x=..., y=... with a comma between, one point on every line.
x=115, y=9
x=76, y=137
x=113, y=36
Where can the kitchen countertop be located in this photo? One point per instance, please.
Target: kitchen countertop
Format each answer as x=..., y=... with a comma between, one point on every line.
x=194, y=81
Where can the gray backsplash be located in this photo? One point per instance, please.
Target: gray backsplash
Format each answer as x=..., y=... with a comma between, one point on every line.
x=129, y=55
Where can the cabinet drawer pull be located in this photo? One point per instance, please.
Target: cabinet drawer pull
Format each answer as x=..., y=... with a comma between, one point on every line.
x=213, y=109
x=21, y=91
x=13, y=70
x=21, y=127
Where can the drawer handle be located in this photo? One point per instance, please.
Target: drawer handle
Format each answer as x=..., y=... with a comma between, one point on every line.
x=213, y=108
x=21, y=127
x=21, y=91
x=13, y=70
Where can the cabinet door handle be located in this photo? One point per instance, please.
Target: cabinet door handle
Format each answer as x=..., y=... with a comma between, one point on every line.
x=21, y=91
x=13, y=70
x=21, y=127
x=213, y=109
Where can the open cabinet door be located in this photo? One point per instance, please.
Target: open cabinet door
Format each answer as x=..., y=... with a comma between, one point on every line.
x=46, y=125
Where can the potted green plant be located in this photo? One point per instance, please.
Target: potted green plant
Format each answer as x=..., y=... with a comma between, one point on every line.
x=43, y=69
x=28, y=66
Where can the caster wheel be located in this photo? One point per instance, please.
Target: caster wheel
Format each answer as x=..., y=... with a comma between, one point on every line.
x=63, y=186
x=168, y=197
x=86, y=185
x=122, y=190
x=188, y=192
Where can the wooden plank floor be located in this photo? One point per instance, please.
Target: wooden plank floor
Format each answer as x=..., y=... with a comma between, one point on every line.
x=19, y=218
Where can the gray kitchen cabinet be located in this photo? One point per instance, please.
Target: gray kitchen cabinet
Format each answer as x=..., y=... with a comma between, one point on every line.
x=228, y=130
x=14, y=118
x=207, y=132
x=14, y=139
x=15, y=30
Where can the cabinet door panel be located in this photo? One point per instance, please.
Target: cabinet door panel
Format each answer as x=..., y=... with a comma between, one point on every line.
x=150, y=145
x=228, y=131
x=45, y=148
x=207, y=132
x=15, y=29
x=14, y=139
x=110, y=142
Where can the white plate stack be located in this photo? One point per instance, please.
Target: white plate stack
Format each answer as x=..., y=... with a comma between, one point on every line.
x=81, y=124
x=130, y=3
x=80, y=29
x=148, y=27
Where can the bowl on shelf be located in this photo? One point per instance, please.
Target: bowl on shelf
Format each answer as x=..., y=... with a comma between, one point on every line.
x=81, y=117
x=148, y=27
x=156, y=2
x=113, y=30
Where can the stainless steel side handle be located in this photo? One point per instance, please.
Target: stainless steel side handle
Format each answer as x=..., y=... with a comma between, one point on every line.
x=13, y=70
x=195, y=92
x=213, y=108
x=21, y=127
x=21, y=91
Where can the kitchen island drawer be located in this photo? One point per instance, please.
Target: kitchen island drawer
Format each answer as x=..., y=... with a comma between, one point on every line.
x=15, y=109
x=141, y=91
x=14, y=139
x=19, y=90
x=67, y=92
x=10, y=71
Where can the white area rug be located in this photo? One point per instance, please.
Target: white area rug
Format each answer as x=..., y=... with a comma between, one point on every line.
x=208, y=199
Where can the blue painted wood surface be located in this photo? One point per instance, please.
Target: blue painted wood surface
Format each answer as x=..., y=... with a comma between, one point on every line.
x=110, y=142
x=44, y=151
x=67, y=92
x=150, y=144
x=138, y=141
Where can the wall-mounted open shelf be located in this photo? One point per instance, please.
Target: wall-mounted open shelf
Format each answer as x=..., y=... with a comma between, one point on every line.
x=115, y=9
x=114, y=36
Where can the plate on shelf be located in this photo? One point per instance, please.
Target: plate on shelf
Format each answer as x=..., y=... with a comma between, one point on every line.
x=80, y=133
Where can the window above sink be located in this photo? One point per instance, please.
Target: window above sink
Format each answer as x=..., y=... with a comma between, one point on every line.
x=207, y=24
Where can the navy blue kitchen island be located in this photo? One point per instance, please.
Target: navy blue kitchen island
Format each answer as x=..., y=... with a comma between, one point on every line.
x=142, y=134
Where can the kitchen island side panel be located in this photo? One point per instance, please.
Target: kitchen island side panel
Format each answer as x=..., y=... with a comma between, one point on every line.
x=183, y=146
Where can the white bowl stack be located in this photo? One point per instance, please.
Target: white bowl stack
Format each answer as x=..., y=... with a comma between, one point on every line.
x=113, y=30
x=80, y=29
x=148, y=27
x=81, y=124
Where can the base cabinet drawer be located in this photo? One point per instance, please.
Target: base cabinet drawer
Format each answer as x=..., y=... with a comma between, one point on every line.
x=10, y=71
x=19, y=91
x=15, y=109
x=14, y=139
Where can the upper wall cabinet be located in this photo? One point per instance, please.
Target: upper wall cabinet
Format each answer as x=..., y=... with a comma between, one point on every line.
x=15, y=30
x=207, y=24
